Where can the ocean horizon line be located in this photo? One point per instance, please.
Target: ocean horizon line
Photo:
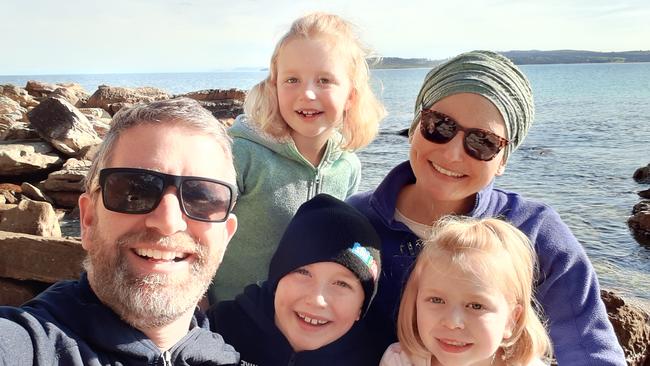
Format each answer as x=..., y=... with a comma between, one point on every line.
x=519, y=57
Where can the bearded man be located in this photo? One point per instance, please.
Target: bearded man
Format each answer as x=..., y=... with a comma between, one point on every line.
x=155, y=221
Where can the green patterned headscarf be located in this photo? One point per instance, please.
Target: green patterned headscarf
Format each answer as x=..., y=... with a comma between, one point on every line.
x=488, y=74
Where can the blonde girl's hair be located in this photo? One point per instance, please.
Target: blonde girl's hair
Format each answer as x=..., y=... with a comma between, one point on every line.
x=480, y=247
x=361, y=121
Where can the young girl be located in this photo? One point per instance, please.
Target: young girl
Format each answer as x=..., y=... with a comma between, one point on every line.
x=468, y=299
x=321, y=281
x=296, y=139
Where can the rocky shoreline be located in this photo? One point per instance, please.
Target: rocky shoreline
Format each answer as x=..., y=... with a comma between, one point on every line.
x=639, y=222
x=48, y=135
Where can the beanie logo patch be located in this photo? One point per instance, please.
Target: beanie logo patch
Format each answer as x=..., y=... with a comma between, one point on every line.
x=367, y=259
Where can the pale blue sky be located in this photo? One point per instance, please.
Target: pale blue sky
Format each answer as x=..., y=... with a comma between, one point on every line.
x=84, y=36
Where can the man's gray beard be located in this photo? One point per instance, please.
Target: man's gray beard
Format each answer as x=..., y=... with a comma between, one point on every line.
x=152, y=300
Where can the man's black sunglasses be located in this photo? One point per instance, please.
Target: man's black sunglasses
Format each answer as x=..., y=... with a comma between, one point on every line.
x=139, y=191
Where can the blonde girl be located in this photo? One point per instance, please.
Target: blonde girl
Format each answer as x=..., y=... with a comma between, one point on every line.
x=296, y=139
x=468, y=300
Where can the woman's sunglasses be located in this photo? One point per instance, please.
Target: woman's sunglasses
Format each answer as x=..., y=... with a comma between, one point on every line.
x=440, y=129
x=139, y=191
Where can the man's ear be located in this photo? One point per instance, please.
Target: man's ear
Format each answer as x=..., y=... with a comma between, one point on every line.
x=87, y=217
x=231, y=227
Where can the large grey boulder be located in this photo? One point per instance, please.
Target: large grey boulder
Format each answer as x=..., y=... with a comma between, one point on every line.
x=62, y=125
x=27, y=157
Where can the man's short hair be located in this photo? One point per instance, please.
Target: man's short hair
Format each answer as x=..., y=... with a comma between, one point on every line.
x=182, y=112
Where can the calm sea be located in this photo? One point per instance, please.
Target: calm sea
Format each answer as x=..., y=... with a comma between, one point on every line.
x=591, y=132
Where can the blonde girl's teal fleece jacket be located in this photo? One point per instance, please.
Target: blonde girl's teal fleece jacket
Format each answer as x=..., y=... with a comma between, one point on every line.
x=273, y=180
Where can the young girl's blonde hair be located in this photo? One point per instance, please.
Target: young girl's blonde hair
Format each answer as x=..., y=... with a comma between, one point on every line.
x=480, y=247
x=361, y=120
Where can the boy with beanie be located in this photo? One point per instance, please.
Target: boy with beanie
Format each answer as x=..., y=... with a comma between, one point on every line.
x=321, y=281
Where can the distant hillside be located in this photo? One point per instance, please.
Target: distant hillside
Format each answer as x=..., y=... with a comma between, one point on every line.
x=575, y=57
x=401, y=63
x=527, y=58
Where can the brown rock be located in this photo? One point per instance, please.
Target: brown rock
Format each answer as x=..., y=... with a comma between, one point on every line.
x=66, y=94
x=639, y=222
x=19, y=95
x=77, y=89
x=39, y=89
x=64, y=199
x=98, y=113
x=16, y=293
x=115, y=107
x=644, y=205
x=34, y=193
x=8, y=197
x=642, y=175
x=29, y=257
x=223, y=104
x=99, y=118
x=217, y=94
x=11, y=109
x=69, y=178
x=101, y=126
x=224, y=110
x=9, y=191
x=62, y=125
x=26, y=157
x=112, y=98
x=17, y=131
x=644, y=193
x=72, y=92
x=10, y=187
x=5, y=125
x=631, y=323
x=31, y=217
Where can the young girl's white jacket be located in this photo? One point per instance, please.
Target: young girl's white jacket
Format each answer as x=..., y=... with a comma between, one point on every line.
x=395, y=356
x=273, y=180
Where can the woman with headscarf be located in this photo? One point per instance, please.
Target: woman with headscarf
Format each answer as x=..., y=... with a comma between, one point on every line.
x=471, y=113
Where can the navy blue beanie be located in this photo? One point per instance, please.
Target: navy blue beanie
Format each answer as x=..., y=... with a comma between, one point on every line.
x=325, y=229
